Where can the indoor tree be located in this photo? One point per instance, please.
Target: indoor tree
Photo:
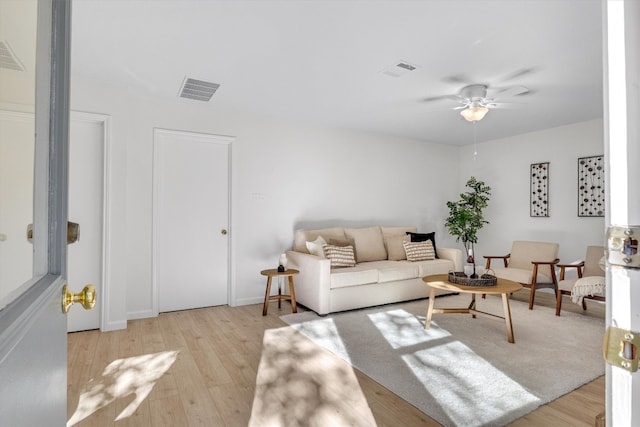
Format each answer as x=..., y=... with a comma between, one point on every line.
x=465, y=216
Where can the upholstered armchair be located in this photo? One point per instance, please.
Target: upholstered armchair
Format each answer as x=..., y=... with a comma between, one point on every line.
x=532, y=264
x=590, y=281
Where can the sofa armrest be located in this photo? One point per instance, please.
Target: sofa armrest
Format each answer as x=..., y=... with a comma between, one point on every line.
x=314, y=281
x=452, y=254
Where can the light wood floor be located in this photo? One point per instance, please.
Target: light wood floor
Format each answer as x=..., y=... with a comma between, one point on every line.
x=198, y=368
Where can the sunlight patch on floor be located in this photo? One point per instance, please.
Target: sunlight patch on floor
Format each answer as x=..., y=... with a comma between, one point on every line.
x=324, y=332
x=467, y=398
x=300, y=383
x=403, y=329
x=123, y=377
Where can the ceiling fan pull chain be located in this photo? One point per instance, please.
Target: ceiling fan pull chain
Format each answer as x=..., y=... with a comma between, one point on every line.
x=475, y=140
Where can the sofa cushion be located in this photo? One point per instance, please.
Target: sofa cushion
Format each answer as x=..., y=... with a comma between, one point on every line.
x=301, y=237
x=390, y=271
x=421, y=237
x=419, y=251
x=340, y=256
x=395, y=247
x=397, y=231
x=369, y=243
x=434, y=266
x=315, y=247
x=361, y=274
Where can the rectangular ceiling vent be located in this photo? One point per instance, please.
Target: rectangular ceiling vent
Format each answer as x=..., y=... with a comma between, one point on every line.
x=399, y=69
x=198, y=90
x=8, y=59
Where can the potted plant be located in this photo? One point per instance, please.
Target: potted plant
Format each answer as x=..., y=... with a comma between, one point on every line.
x=465, y=216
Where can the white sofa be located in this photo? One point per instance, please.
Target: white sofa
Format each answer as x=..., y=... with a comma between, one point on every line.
x=380, y=276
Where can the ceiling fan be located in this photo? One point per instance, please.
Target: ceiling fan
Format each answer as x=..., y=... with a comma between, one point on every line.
x=475, y=103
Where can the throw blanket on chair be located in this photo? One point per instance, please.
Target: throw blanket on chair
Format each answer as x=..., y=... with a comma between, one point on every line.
x=587, y=286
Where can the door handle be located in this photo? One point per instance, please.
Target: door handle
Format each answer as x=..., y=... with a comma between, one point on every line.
x=86, y=297
x=223, y=231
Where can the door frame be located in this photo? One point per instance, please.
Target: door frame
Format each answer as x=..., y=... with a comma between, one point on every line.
x=622, y=106
x=222, y=139
x=105, y=121
x=103, y=296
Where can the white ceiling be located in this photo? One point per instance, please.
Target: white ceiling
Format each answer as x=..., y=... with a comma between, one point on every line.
x=322, y=61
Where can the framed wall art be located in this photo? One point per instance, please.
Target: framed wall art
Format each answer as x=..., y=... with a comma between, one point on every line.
x=591, y=186
x=539, y=190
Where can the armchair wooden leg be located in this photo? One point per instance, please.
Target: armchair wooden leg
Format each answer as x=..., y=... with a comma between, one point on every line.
x=558, y=302
x=532, y=295
x=584, y=303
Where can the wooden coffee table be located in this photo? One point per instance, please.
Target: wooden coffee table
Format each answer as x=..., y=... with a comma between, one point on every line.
x=503, y=287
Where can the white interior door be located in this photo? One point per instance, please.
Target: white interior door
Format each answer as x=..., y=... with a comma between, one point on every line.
x=86, y=207
x=191, y=219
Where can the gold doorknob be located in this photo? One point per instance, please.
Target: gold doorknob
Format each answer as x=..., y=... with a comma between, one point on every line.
x=86, y=297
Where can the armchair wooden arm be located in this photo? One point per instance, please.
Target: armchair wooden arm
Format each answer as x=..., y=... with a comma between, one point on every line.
x=578, y=266
x=490, y=257
x=551, y=264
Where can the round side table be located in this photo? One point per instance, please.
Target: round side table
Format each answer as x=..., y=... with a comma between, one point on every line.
x=271, y=273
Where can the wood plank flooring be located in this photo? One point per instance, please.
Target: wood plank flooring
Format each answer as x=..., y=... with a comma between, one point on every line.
x=199, y=367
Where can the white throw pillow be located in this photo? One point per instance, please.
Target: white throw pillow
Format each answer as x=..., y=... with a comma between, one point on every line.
x=315, y=247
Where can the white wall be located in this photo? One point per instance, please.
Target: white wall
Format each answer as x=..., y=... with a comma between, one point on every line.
x=505, y=164
x=305, y=176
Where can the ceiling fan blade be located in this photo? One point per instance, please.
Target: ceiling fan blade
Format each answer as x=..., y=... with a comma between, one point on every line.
x=457, y=79
x=442, y=97
x=505, y=105
x=519, y=73
x=512, y=91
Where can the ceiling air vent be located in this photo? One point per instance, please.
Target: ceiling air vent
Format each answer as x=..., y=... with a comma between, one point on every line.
x=399, y=69
x=197, y=89
x=8, y=59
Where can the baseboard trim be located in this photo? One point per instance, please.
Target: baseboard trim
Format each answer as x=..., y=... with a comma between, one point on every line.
x=142, y=314
x=114, y=326
x=247, y=301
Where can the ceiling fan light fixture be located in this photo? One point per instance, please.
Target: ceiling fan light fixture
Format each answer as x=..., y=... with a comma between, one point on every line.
x=474, y=113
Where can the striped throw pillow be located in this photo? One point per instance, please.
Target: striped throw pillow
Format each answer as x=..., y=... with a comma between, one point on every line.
x=340, y=256
x=419, y=251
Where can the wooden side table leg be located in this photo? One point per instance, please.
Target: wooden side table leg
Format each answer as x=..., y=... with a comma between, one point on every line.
x=266, y=297
x=432, y=298
x=507, y=318
x=292, y=292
